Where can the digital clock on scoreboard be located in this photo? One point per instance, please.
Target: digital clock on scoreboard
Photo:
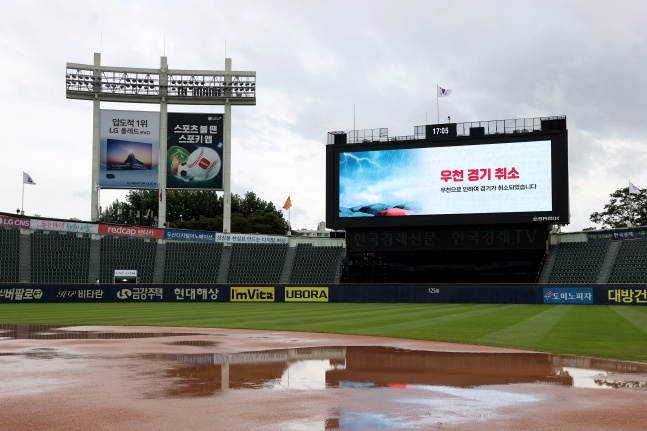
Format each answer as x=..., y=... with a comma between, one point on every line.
x=437, y=132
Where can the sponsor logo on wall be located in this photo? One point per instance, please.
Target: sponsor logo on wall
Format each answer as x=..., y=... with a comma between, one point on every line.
x=306, y=294
x=251, y=294
x=570, y=295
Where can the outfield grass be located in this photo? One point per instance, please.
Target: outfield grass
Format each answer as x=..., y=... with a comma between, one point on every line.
x=615, y=332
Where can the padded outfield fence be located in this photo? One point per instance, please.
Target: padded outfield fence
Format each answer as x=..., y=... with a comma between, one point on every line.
x=615, y=294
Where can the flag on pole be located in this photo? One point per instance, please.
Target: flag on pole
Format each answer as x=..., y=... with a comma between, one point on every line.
x=633, y=189
x=97, y=187
x=26, y=179
x=288, y=203
x=443, y=92
x=160, y=195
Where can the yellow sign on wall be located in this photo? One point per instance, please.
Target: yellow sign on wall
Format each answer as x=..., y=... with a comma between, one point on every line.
x=251, y=294
x=306, y=294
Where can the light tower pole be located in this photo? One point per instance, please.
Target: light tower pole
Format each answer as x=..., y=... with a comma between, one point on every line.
x=161, y=86
x=226, y=163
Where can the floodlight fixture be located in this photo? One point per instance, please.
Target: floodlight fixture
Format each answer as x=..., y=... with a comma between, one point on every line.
x=162, y=86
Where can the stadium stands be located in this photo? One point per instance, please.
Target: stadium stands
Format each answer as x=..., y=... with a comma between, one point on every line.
x=187, y=262
x=256, y=263
x=315, y=264
x=127, y=253
x=59, y=257
x=630, y=265
x=9, y=255
x=578, y=262
x=43, y=256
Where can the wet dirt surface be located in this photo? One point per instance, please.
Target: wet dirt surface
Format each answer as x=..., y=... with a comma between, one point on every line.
x=143, y=378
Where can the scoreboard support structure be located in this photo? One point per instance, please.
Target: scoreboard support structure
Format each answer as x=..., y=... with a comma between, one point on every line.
x=454, y=202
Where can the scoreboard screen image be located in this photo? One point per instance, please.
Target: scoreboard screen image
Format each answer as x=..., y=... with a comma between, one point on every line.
x=484, y=180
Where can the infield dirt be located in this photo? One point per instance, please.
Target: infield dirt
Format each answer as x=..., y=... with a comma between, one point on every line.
x=151, y=378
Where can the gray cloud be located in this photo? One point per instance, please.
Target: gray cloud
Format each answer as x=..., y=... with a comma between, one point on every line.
x=324, y=66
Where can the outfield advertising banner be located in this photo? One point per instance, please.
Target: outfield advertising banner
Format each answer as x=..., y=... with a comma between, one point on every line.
x=129, y=149
x=19, y=222
x=138, y=232
x=107, y=292
x=306, y=294
x=63, y=226
x=568, y=295
x=152, y=293
x=189, y=235
x=194, y=151
x=242, y=238
x=626, y=295
x=251, y=294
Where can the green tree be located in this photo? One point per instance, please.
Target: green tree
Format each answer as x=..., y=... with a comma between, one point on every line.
x=624, y=208
x=198, y=210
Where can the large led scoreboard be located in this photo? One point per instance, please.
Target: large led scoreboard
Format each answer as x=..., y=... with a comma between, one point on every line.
x=441, y=177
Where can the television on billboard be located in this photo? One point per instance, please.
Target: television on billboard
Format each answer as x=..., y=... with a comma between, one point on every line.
x=129, y=149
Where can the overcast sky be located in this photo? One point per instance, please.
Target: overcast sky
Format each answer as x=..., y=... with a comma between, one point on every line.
x=324, y=66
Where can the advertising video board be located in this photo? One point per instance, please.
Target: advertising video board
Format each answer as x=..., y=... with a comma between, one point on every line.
x=484, y=180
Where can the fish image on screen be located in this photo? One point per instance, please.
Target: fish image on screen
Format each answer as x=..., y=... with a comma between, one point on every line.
x=129, y=155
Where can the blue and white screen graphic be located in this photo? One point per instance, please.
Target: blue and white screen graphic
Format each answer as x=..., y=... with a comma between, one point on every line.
x=467, y=179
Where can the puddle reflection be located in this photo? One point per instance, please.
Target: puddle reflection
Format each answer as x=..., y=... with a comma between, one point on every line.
x=384, y=367
x=413, y=389
x=364, y=367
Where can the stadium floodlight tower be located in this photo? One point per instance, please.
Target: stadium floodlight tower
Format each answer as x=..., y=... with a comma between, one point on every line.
x=163, y=86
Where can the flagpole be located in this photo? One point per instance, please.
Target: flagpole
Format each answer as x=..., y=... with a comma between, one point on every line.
x=22, y=204
x=290, y=207
x=631, y=190
x=287, y=206
x=437, y=109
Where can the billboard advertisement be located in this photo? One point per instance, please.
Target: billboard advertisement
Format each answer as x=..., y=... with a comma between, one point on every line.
x=189, y=235
x=462, y=181
x=129, y=149
x=251, y=294
x=132, y=231
x=20, y=222
x=619, y=294
x=568, y=295
x=63, y=226
x=306, y=294
x=194, y=151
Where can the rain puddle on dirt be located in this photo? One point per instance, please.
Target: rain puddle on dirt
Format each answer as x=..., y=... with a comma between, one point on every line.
x=401, y=382
x=59, y=332
x=386, y=367
x=358, y=367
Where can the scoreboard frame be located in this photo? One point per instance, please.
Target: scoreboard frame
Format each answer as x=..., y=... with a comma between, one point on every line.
x=559, y=214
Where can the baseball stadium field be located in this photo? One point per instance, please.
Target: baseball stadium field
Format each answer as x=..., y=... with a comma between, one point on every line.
x=601, y=331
